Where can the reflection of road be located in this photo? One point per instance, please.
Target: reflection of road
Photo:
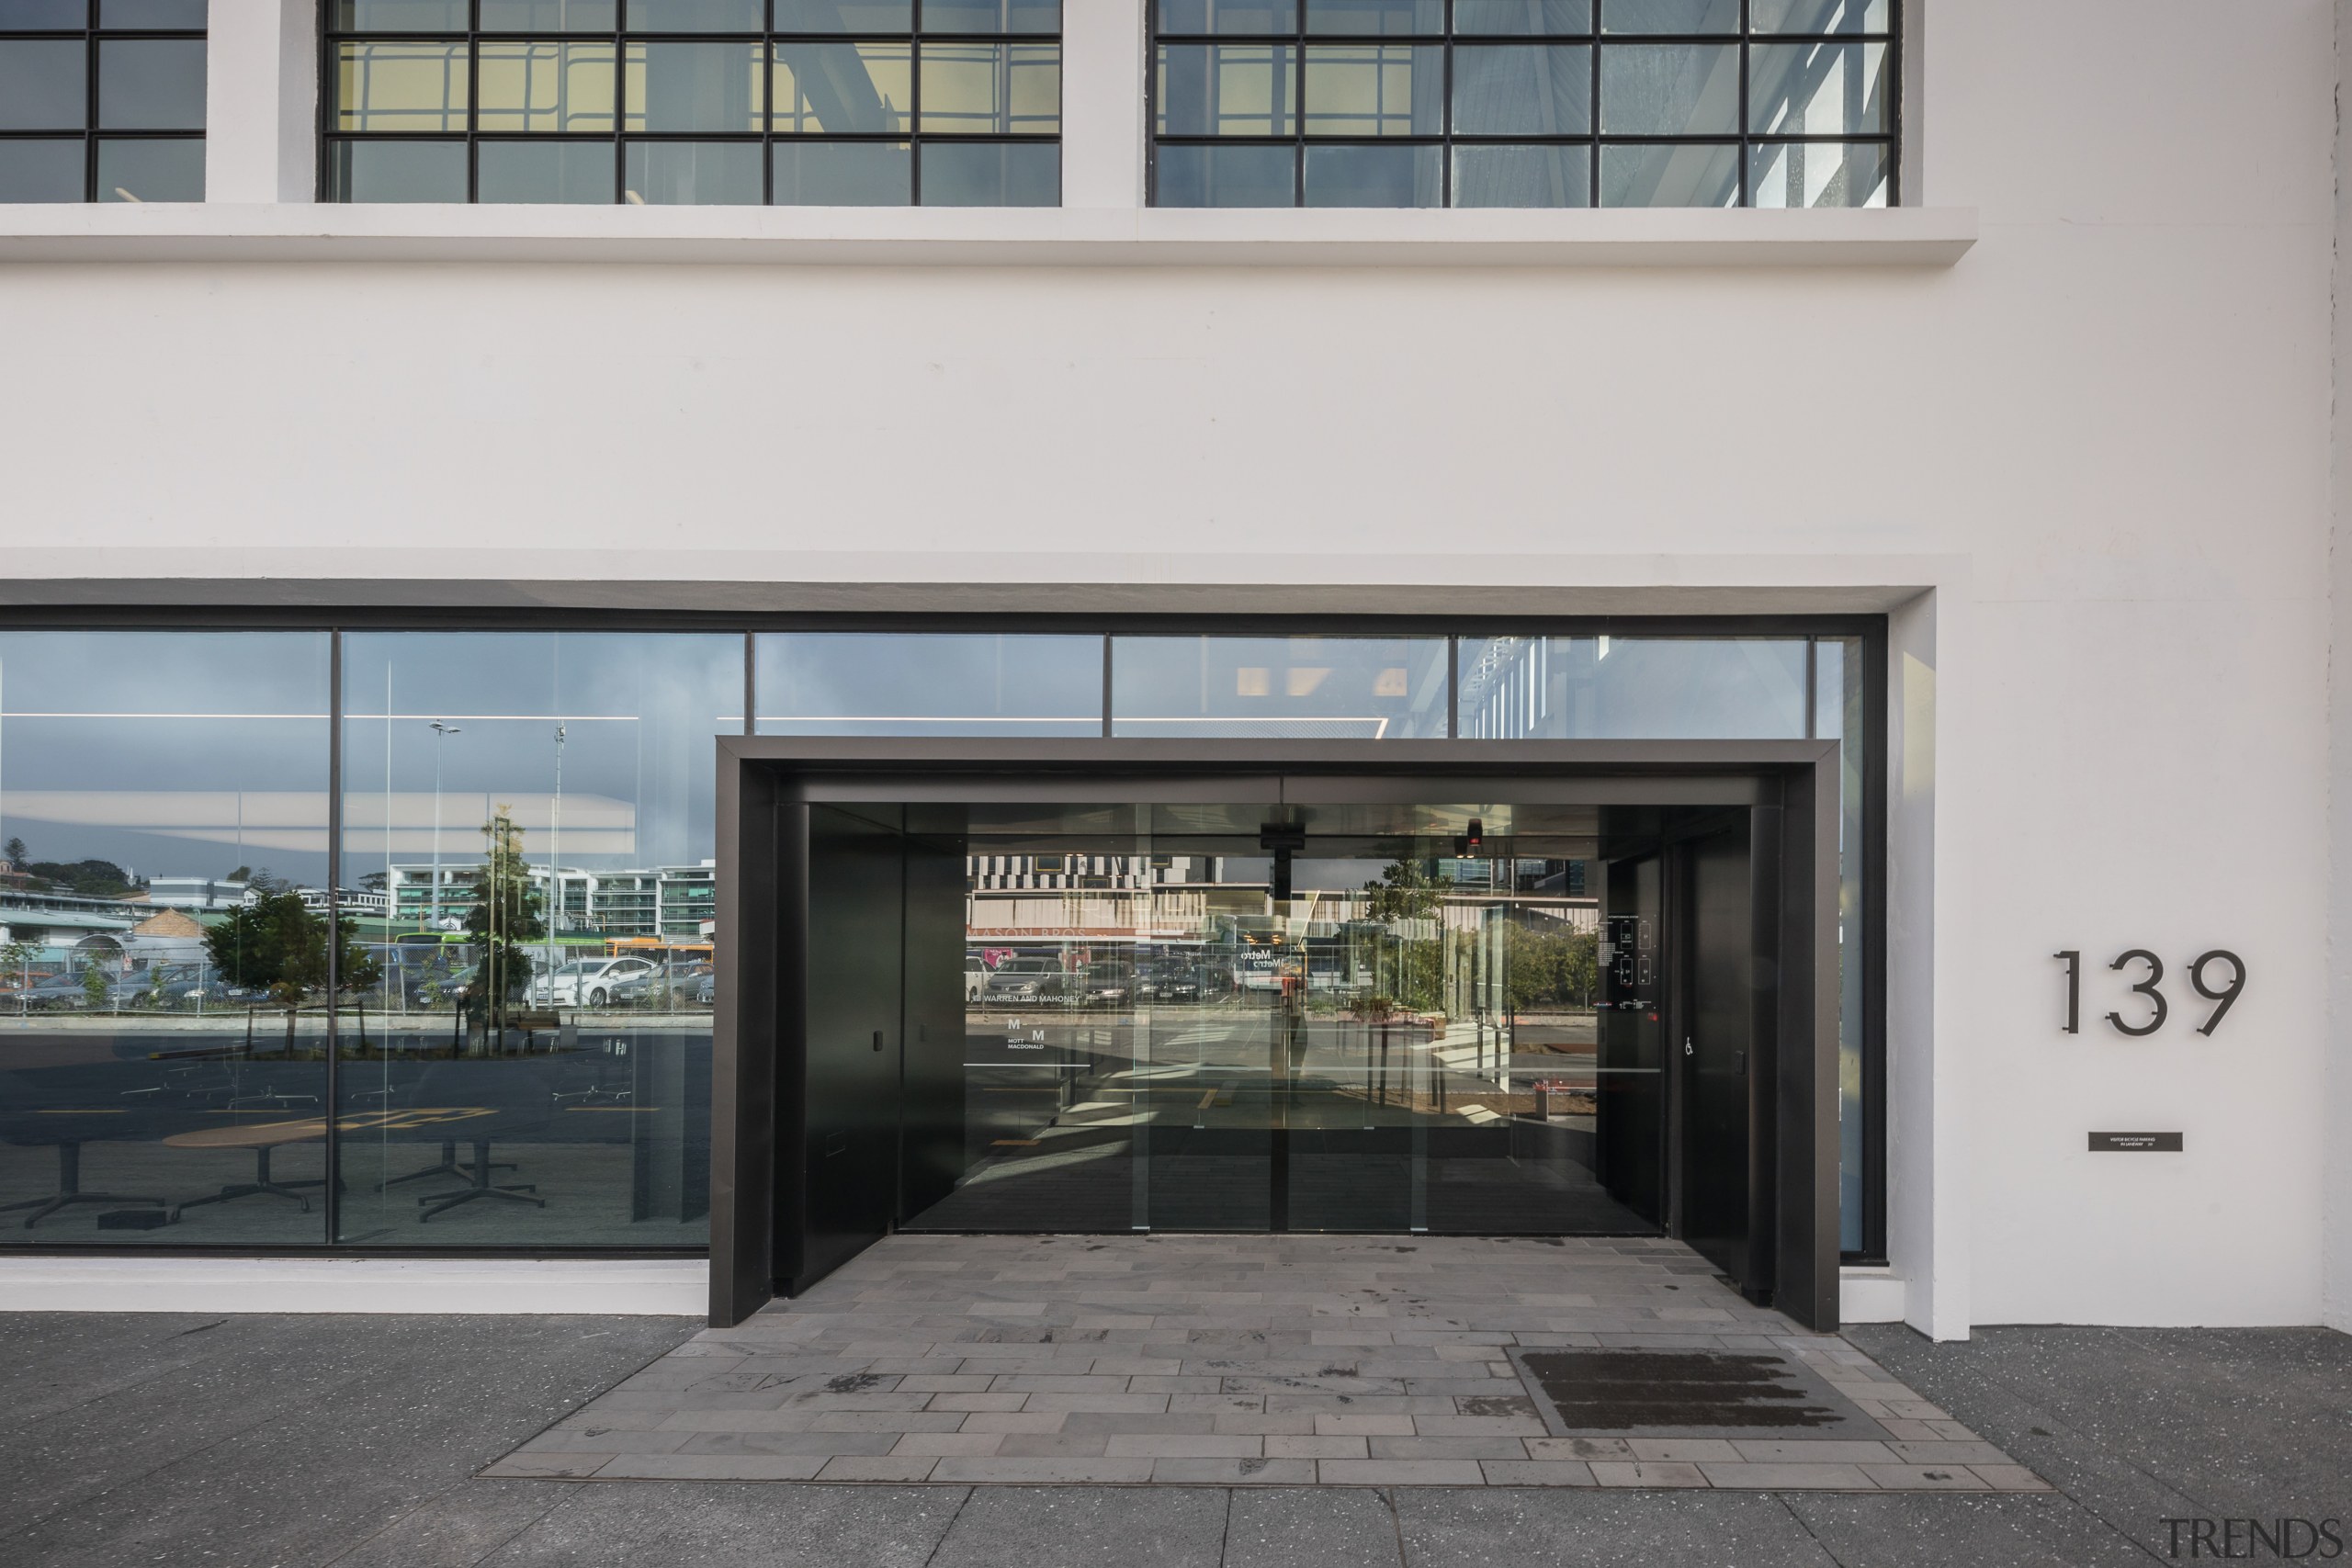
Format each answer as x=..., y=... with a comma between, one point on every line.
x=1219, y=1064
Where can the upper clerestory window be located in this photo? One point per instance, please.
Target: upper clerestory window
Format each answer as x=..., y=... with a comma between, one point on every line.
x=101, y=100
x=1523, y=102
x=839, y=103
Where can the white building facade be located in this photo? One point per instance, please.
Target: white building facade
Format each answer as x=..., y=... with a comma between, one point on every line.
x=2046, y=445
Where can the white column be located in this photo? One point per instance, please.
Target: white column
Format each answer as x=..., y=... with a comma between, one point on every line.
x=1103, y=52
x=261, y=101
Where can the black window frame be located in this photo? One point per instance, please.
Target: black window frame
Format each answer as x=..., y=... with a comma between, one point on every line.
x=620, y=138
x=91, y=34
x=1594, y=38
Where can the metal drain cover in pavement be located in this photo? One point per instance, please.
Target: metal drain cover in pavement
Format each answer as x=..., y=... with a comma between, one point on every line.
x=1687, y=1394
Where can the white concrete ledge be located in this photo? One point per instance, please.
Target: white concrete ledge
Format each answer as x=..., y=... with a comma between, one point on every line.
x=1901, y=237
x=1871, y=1295
x=657, y=1287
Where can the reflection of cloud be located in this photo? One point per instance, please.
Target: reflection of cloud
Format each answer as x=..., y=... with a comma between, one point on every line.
x=169, y=810
x=297, y=819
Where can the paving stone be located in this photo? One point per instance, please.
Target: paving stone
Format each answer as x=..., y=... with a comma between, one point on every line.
x=713, y=1467
x=1044, y=1472
x=1126, y=1445
x=1789, y=1477
x=1924, y=1477
x=1808, y=1451
x=1606, y=1472
x=1400, y=1472
x=1536, y=1473
x=868, y=1467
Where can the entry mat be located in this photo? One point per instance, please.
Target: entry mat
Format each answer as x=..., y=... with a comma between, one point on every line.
x=1687, y=1394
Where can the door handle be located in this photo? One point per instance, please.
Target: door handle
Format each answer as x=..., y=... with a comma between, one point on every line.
x=878, y=1040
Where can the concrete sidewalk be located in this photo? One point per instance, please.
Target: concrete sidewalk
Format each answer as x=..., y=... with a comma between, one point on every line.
x=306, y=1441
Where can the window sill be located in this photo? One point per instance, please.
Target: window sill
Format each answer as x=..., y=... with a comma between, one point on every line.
x=1901, y=237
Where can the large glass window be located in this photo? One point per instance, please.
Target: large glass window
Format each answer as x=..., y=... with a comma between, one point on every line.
x=1338, y=688
x=1523, y=102
x=528, y=820
x=101, y=100
x=901, y=683
x=696, y=102
x=163, y=938
x=1600, y=688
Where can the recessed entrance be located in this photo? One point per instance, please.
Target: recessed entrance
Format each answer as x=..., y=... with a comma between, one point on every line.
x=1057, y=998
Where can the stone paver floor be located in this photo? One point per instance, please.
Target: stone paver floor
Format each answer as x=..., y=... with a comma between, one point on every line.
x=1267, y=1360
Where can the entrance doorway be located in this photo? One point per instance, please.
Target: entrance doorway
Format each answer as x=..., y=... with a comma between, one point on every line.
x=1168, y=998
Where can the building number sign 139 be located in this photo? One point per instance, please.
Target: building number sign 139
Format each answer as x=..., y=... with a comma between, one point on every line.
x=2153, y=1008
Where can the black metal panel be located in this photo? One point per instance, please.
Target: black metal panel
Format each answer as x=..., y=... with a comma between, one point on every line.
x=1630, y=1093
x=1805, y=1084
x=849, y=1084
x=1764, y=841
x=932, y=1147
x=744, y=1128
x=1715, y=954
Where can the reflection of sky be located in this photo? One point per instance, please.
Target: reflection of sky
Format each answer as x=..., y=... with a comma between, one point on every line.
x=1634, y=688
x=1389, y=687
x=173, y=753
x=894, y=683
x=638, y=713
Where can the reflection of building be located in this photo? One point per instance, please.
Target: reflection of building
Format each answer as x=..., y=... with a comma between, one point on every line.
x=672, y=902
x=196, y=892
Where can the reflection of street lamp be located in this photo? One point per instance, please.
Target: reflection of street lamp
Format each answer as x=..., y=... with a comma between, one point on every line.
x=440, y=732
x=555, y=856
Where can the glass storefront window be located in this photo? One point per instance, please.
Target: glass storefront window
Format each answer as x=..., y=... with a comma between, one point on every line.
x=164, y=941
x=1585, y=688
x=528, y=826
x=102, y=102
x=1338, y=688
x=903, y=684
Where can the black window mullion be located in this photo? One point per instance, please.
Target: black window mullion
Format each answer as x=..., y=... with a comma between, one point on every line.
x=1747, y=197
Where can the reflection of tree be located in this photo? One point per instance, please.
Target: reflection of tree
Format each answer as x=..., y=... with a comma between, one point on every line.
x=1550, y=963
x=276, y=946
x=503, y=916
x=1412, y=974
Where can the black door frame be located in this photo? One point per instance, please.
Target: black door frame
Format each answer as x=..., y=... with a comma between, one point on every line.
x=762, y=903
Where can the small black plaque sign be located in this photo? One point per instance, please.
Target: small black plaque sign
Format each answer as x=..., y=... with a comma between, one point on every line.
x=2135, y=1143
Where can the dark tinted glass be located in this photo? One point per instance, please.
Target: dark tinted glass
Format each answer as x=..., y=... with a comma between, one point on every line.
x=990, y=173
x=150, y=170
x=843, y=173
x=1373, y=176
x=549, y=15
x=992, y=16
x=42, y=85
x=1670, y=176
x=692, y=173
x=32, y=16
x=1240, y=176
x=566, y=172
x=695, y=86
x=34, y=170
x=150, y=84
x=397, y=171
x=400, y=15
x=1522, y=90
x=696, y=15
x=189, y=14
x=163, y=1078
x=1228, y=16
x=1669, y=16
x=1819, y=16
x=844, y=15
x=1487, y=176
x=1375, y=18
x=1472, y=17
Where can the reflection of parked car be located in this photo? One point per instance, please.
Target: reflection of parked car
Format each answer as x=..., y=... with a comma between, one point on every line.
x=689, y=985
x=1028, y=980
x=587, y=982
x=1109, y=985
x=1168, y=981
x=976, y=979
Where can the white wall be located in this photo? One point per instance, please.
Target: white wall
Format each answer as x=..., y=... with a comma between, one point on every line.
x=2091, y=461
